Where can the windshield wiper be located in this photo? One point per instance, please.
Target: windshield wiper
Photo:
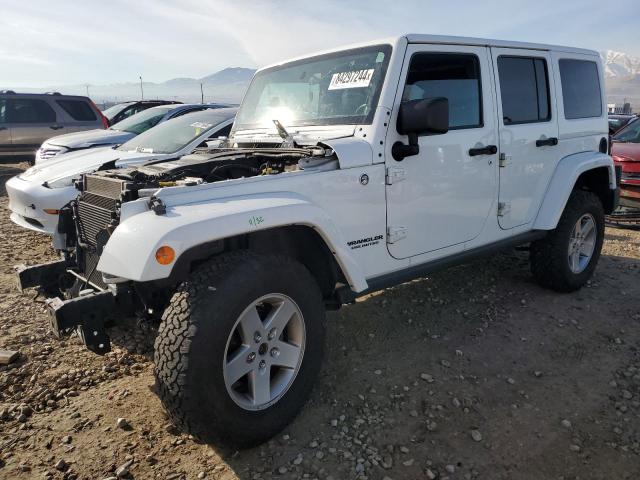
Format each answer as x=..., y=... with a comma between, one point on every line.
x=287, y=139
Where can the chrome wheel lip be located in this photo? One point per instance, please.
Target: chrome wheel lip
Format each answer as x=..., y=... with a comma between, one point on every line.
x=582, y=243
x=263, y=354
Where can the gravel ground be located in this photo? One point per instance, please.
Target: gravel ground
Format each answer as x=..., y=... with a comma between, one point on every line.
x=475, y=372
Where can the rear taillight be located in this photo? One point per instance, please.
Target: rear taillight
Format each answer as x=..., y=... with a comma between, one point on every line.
x=105, y=121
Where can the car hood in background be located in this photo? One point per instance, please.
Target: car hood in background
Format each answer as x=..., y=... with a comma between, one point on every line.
x=90, y=138
x=83, y=161
x=626, y=150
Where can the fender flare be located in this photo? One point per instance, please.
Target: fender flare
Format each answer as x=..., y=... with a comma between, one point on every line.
x=563, y=181
x=130, y=252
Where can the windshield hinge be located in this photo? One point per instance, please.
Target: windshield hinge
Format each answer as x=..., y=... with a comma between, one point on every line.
x=287, y=138
x=395, y=175
x=395, y=234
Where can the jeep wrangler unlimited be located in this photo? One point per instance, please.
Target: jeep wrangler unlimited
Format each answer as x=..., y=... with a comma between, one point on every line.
x=345, y=172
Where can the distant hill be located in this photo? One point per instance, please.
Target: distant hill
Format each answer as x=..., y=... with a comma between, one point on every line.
x=622, y=77
x=227, y=85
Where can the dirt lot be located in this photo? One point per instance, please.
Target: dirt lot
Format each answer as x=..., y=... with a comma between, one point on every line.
x=475, y=372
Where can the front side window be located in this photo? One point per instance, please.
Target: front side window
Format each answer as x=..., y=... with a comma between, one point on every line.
x=29, y=111
x=142, y=121
x=3, y=111
x=524, y=90
x=333, y=89
x=629, y=134
x=581, y=94
x=453, y=76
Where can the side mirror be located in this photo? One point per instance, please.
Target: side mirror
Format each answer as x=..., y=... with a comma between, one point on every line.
x=419, y=117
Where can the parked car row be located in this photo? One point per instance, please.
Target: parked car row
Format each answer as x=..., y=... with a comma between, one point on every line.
x=37, y=195
x=120, y=132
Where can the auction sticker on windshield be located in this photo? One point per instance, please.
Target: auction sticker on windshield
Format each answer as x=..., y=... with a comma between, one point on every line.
x=354, y=79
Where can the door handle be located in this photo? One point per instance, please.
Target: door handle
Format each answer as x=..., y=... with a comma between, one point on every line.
x=56, y=127
x=550, y=142
x=488, y=150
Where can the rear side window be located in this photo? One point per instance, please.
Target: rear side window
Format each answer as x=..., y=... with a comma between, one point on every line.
x=524, y=90
x=22, y=110
x=580, y=89
x=78, y=110
x=453, y=76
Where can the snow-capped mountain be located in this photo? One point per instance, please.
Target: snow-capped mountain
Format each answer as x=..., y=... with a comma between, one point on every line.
x=619, y=65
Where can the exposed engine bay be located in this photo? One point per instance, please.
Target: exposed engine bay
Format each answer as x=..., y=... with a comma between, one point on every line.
x=215, y=165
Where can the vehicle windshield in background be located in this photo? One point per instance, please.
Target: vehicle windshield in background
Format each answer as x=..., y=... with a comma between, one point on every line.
x=629, y=134
x=114, y=110
x=141, y=122
x=333, y=89
x=173, y=135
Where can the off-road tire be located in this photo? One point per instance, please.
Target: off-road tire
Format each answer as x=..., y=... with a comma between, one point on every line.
x=191, y=342
x=548, y=256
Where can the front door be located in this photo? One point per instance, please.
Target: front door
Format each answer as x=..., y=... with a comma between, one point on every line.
x=443, y=195
x=528, y=132
x=32, y=121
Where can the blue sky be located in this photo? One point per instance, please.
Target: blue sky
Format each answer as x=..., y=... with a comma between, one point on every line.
x=45, y=42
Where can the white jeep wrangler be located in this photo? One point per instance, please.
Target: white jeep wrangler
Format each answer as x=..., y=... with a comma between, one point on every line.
x=346, y=172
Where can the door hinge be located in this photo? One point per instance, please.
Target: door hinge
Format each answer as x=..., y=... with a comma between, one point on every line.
x=395, y=234
x=503, y=208
x=504, y=160
x=395, y=175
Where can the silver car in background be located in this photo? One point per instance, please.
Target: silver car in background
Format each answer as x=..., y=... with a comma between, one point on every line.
x=28, y=119
x=119, y=133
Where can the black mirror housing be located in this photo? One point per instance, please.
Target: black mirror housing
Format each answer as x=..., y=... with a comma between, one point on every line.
x=424, y=116
x=420, y=117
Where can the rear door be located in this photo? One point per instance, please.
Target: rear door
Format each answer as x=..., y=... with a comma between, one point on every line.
x=443, y=196
x=528, y=131
x=79, y=115
x=32, y=121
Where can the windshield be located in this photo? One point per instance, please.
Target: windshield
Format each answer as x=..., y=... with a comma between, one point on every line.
x=141, y=122
x=333, y=89
x=173, y=135
x=630, y=133
x=112, y=111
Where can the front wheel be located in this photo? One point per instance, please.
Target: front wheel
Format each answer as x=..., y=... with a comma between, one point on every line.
x=239, y=347
x=565, y=259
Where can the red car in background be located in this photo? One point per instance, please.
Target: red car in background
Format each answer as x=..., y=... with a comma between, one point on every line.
x=625, y=150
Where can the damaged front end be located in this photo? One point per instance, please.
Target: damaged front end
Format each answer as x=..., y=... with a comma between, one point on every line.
x=87, y=301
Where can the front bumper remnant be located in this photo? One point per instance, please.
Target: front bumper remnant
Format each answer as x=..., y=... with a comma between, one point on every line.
x=87, y=315
x=44, y=275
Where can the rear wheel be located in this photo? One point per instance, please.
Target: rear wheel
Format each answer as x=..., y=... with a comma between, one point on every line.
x=565, y=259
x=239, y=347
